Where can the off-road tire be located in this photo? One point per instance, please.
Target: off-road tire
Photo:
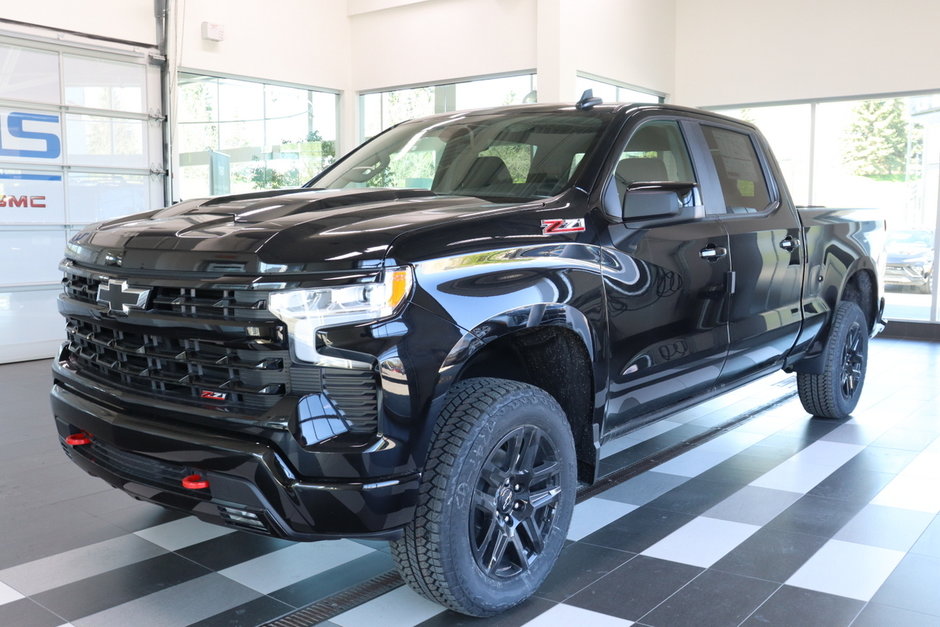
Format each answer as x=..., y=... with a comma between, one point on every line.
x=835, y=391
x=484, y=425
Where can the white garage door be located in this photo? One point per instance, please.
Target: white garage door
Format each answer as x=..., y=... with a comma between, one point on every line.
x=81, y=140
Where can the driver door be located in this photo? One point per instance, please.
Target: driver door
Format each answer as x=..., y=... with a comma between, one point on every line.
x=665, y=281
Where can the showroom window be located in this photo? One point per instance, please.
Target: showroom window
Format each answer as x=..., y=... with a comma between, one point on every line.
x=81, y=140
x=238, y=136
x=381, y=109
x=612, y=91
x=882, y=153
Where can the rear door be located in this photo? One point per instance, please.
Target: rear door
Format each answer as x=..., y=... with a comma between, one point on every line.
x=766, y=253
x=665, y=283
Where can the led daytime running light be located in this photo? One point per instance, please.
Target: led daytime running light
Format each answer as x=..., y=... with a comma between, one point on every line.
x=308, y=310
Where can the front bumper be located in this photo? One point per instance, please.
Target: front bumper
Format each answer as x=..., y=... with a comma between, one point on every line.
x=251, y=485
x=906, y=275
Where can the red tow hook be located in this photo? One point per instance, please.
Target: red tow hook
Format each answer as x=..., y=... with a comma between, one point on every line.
x=78, y=439
x=195, y=482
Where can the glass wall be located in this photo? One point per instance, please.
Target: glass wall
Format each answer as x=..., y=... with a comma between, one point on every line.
x=78, y=144
x=379, y=110
x=882, y=153
x=238, y=136
x=611, y=91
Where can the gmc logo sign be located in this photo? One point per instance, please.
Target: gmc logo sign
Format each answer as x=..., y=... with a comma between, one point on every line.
x=28, y=127
x=23, y=201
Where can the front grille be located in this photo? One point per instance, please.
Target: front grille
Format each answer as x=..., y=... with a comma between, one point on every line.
x=227, y=353
x=353, y=392
x=222, y=303
x=150, y=361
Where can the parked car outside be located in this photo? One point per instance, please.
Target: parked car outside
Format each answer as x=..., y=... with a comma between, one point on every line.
x=910, y=260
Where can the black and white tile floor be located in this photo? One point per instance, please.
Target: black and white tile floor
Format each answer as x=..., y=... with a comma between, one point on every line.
x=781, y=520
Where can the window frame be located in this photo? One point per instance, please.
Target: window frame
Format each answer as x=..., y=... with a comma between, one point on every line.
x=770, y=182
x=613, y=203
x=187, y=75
x=446, y=105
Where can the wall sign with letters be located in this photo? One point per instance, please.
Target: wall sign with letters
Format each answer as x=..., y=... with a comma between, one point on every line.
x=31, y=197
x=30, y=136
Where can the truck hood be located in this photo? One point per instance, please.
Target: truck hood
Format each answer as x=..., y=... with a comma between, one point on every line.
x=284, y=230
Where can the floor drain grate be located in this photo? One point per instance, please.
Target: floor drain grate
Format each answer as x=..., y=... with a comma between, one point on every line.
x=340, y=602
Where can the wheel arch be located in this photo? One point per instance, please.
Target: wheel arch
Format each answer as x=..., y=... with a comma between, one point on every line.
x=861, y=287
x=550, y=346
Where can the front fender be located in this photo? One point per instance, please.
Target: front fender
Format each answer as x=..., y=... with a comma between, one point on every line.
x=494, y=294
x=513, y=321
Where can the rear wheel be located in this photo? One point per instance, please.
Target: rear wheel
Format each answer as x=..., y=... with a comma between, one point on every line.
x=496, y=498
x=835, y=391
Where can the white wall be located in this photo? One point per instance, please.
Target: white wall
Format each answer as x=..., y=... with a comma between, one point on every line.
x=400, y=42
x=366, y=6
x=701, y=53
x=130, y=20
x=631, y=41
x=293, y=41
x=306, y=42
x=746, y=51
x=438, y=40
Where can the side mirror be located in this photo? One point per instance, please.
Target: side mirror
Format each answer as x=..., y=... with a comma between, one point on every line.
x=661, y=199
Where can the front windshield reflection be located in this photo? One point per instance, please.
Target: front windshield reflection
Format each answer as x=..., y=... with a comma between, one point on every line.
x=507, y=155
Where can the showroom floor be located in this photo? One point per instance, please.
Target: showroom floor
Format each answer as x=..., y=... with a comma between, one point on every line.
x=781, y=520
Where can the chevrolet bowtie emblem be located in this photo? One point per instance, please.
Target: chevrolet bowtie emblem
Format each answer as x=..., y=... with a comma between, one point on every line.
x=121, y=298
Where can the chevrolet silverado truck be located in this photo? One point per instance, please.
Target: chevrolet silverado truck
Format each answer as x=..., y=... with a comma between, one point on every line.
x=429, y=341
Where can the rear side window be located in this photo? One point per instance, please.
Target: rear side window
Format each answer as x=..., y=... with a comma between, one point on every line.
x=739, y=170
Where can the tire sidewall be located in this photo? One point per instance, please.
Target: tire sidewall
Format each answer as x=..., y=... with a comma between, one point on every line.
x=524, y=407
x=848, y=317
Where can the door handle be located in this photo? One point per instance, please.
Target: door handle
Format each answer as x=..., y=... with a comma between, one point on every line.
x=712, y=252
x=790, y=243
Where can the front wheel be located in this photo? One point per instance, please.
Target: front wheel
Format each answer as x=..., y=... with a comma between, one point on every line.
x=495, y=501
x=835, y=391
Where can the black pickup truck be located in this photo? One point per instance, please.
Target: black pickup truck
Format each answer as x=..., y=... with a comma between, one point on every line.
x=430, y=340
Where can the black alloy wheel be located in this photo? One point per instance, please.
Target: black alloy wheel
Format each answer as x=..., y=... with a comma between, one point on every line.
x=853, y=361
x=515, y=502
x=834, y=391
x=495, y=501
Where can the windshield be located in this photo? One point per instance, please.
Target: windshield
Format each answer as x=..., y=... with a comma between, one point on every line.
x=513, y=155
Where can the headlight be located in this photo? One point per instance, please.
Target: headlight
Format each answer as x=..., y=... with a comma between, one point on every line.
x=306, y=311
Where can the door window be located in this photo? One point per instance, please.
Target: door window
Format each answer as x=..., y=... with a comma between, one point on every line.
x=655, y=153
x=739, y=170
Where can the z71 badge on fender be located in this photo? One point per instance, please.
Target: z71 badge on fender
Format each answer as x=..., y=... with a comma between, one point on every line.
x=561, y=225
